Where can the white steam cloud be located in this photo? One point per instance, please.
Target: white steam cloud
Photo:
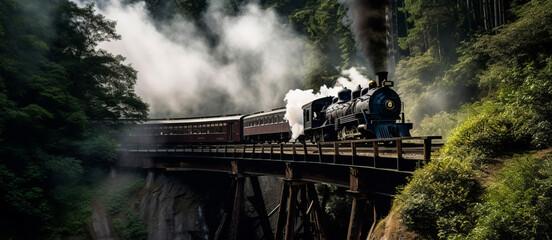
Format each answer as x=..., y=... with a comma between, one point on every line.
x=297, y=98
x=256, y=60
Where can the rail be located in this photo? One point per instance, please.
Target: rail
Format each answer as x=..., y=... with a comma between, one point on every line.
x=402, y=154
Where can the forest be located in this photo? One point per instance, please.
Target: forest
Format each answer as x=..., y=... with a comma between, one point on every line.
x=477, y=72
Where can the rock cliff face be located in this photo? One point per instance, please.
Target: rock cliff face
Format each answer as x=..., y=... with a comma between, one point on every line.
x=173, y=211
x=190, y=205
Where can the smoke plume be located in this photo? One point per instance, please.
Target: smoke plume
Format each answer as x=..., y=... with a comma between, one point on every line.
x=256, y=59
x=297, y=98
x=369, y=25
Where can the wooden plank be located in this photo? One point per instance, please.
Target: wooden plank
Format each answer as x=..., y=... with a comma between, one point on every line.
x=319, y=214
x=261, y=209
x=294, y=151
x=221, y=225
x=399, y=153
x=336, y=152
x=427, y=149
x=356, y=220
x=282, y=211
x=319, y=152
x=292, y=209
x=306, y=153
x=281, y=151
x=376, y=152
x=236, y=209
x=353, y=153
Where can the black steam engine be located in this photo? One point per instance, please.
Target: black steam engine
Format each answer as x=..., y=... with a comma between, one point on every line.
x=373, y=112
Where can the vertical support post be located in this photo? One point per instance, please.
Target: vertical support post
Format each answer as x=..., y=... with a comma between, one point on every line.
x=243, y=152
x=336, y=152
x=236, y=209
x=399, y=153
x=262, y=151
x=261, y=209
x=253, y=151
x=304, y=211
x=225, y=150
x=294, y=151
x=290, y=221
x=281, y=151
x=376, y=151
x=355, y=221
x=356, y=185
x=271, y=151
x=353, y=153
x=282, y=211
x=318, y=212
x=319, y=152
x=305, y=150
x=427, y=149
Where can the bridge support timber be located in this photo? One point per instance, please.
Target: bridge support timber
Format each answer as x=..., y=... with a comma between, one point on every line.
x=368, y=168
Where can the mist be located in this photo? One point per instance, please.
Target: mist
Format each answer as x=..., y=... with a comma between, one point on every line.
x=295, y=99
x=255, y=62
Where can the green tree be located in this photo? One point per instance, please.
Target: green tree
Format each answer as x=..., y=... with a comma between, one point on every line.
x=53, y=82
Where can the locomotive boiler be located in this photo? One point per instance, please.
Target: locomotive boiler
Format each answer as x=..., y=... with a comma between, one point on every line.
x=372, y=112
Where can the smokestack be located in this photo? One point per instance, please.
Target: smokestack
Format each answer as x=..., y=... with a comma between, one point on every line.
x=369, y=24
x=380, y=77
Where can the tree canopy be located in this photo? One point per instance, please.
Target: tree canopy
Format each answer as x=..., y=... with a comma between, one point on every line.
x=55, y=87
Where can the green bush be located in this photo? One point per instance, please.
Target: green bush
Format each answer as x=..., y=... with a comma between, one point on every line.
x=439, y=200
x=120, y=197
x=131, y=227
x=491, y=128
x=519, y=205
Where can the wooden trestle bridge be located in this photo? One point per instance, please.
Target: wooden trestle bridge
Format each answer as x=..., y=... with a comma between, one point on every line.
x=365, y=167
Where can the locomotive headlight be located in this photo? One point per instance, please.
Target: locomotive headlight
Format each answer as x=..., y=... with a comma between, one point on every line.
x=390, y=105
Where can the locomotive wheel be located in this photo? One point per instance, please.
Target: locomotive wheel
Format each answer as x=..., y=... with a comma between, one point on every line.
x=342, y=135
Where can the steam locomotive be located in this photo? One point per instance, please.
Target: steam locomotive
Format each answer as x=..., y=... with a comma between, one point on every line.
x=371, y=112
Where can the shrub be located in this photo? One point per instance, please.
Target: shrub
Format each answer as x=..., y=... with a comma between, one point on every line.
x=120, y=197
x=519, y=205
x=439, y=199
x=491, y=128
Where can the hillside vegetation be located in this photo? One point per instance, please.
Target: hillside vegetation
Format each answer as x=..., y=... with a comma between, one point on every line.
x=55, y=88
x=480, y=78
x=486, y=185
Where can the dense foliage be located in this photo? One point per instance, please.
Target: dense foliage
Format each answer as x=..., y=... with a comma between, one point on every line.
x=494, y=99
x=518, y=205
x=476, y=73
x=56, y=90
x=439, y=199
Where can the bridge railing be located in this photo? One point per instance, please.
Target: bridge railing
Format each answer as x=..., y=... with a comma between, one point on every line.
x=402, y=154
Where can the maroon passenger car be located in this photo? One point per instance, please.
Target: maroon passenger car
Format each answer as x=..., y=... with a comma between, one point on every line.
x=222, y=129
x=266, y=126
